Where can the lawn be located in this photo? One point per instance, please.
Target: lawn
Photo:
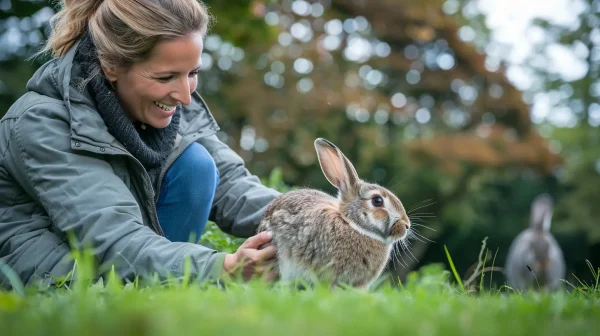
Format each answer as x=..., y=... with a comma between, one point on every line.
x=427, y=303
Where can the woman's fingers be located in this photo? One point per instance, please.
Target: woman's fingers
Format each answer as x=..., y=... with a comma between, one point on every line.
x=256, y=241
x=268, y=253
x=258, y=256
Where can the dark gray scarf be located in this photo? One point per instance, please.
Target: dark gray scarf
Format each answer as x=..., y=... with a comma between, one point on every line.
x=149, y=145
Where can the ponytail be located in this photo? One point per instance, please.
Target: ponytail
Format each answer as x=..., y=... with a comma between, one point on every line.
x=69, y=24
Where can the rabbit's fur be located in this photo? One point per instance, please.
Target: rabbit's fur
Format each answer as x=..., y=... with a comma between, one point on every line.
x=536, y=249
x=347, y=239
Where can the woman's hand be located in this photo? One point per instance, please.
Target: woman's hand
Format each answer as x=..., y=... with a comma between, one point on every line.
x=252, y=259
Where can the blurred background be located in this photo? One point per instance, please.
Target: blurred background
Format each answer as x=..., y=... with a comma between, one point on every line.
x=467, y=109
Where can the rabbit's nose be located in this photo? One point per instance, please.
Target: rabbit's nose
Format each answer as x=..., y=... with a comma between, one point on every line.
x=400, y=228
x=404, y=223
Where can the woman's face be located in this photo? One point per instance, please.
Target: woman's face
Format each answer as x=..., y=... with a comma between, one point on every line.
x=150, y=90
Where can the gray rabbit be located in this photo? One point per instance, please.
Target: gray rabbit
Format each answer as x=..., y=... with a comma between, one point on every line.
x=347, y=239
x=535, y=260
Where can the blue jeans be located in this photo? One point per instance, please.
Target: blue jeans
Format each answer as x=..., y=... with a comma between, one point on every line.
x=187, y=193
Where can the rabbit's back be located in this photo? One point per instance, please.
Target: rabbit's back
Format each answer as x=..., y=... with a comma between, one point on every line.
x=535, y=260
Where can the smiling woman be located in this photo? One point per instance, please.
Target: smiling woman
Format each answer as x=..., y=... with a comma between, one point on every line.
x=112, y=145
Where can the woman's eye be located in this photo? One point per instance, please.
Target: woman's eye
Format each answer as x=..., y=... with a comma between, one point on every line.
x=164, y=79
x=377, y=201
x=170, y=78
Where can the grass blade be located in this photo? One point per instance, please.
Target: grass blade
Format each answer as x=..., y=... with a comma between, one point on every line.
x=596, y=275
x=483, y=270
x=493, y=264
x=13, y=279
x=454, y=270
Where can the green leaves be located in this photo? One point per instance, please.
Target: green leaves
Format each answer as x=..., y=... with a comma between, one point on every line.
x=216, y=239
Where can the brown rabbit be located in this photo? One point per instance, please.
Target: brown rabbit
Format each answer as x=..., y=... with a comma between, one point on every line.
x=347, y=239
x=535, y=260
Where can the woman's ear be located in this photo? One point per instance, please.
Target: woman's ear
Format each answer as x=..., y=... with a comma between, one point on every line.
x=110, y=73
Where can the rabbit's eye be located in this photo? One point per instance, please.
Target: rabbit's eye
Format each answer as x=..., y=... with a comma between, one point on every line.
x=377, y=201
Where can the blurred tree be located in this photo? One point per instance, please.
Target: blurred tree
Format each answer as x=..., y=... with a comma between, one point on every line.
x=22, y=25
x=566, y=111
x=578, y=95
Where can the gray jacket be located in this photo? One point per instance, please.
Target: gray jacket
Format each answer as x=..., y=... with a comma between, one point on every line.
x=62, y=173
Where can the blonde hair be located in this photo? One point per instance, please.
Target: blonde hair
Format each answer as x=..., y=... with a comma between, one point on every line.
x=124, y=31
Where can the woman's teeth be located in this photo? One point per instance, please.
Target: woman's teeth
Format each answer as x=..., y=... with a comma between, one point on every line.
x=166, y=108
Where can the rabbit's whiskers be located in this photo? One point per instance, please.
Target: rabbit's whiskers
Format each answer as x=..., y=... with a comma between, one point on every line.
x=422, y=215
x=406, y=246
x=424, y=226
x=397, y=253
x=414, y=234
x=420, y=205
x=393, y=178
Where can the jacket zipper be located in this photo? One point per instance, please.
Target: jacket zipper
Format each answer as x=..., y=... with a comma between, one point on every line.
x=155, y=225
x=165, y=170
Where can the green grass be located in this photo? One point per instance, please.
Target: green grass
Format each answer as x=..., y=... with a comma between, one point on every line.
x=426, y=304
x=432, y=301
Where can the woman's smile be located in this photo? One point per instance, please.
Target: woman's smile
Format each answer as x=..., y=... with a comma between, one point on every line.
x=163, y=110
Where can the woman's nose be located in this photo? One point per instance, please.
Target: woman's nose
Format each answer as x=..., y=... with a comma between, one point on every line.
x=182, y=93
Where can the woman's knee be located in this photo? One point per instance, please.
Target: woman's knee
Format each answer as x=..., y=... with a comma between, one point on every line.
x=194, y=171
x=199, y=161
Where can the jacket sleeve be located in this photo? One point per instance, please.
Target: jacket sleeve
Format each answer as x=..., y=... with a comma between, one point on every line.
x=82, y=196
x=241, y=199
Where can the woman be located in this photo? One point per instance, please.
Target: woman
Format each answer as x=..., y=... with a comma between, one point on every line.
x=112, y=145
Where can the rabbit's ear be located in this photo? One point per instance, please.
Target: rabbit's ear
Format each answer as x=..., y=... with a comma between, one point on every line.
x=541, y=213
x=337, y=168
